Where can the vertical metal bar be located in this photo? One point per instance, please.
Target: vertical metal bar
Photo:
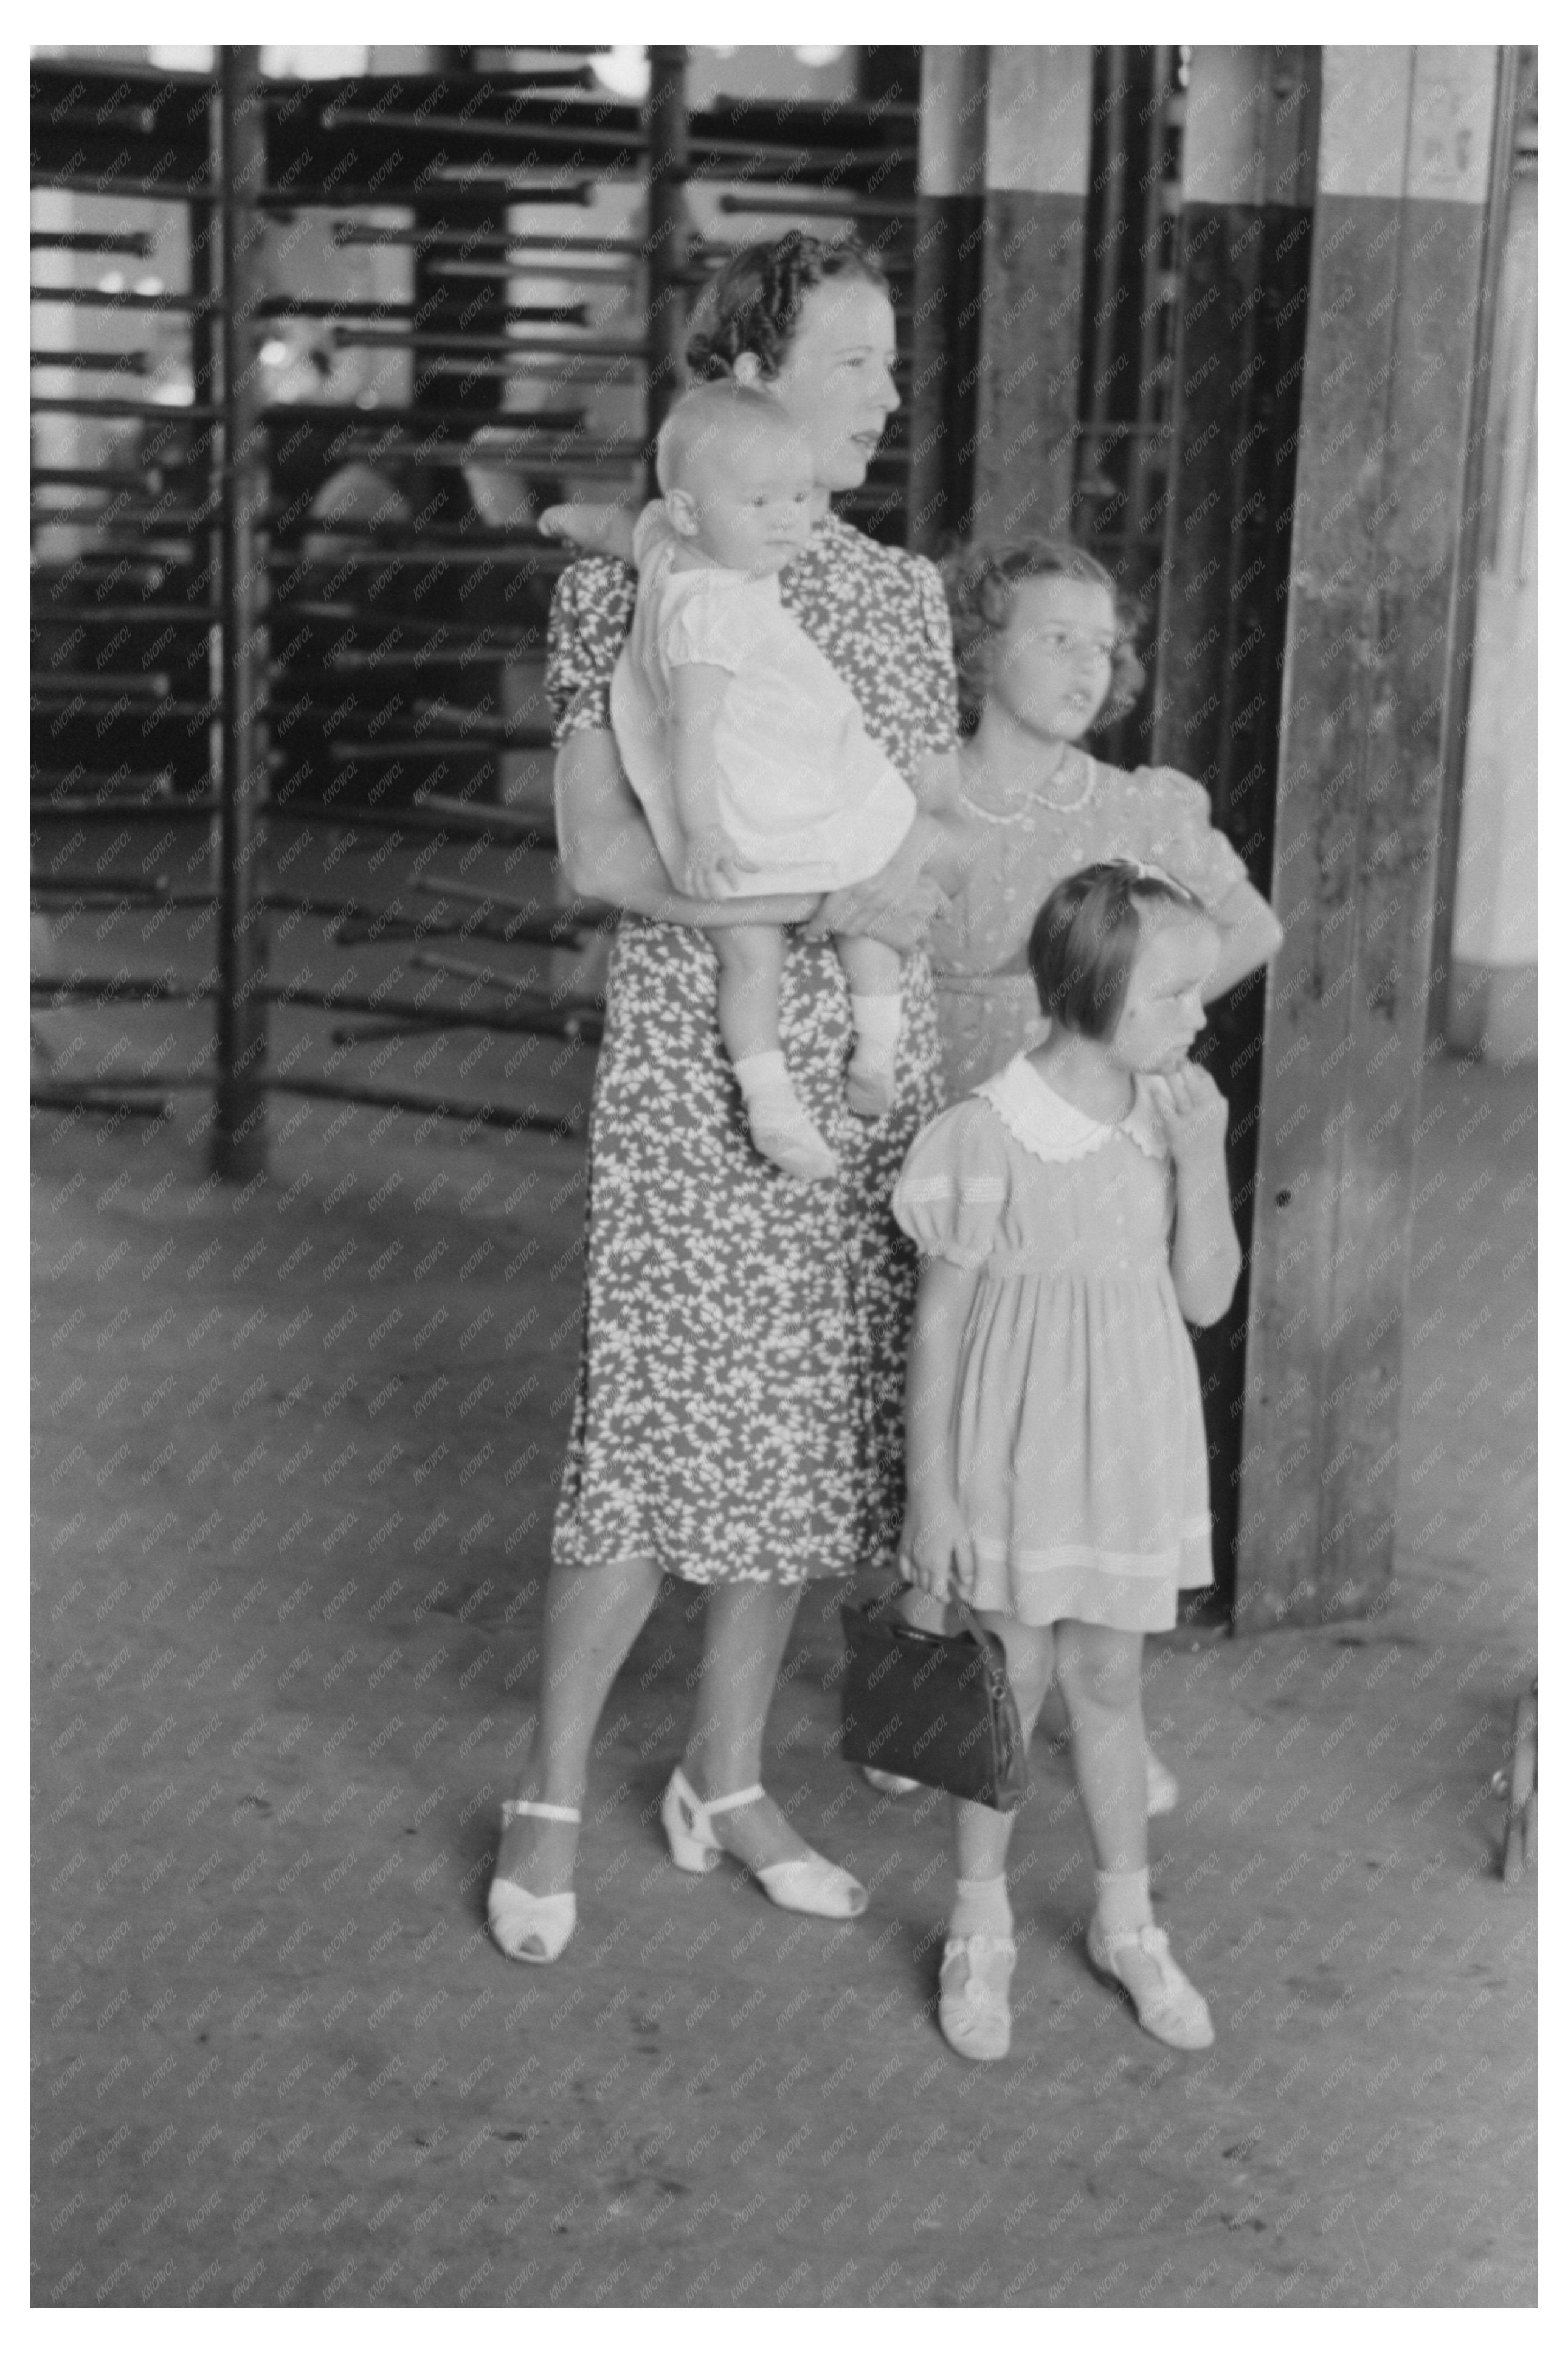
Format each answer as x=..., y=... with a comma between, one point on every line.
x=239, y=1140
x=669, y=232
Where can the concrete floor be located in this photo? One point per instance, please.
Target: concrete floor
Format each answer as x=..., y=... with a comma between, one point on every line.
x=291, y=1494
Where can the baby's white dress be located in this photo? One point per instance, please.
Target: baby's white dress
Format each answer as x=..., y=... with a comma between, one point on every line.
x=803, y=794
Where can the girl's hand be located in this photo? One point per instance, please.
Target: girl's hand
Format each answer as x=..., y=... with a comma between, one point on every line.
x=936, y=1537
x=1194, y=1114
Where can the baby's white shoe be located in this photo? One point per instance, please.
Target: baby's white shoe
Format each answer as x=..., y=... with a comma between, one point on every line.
x=784, y=1133
x=869, y=1086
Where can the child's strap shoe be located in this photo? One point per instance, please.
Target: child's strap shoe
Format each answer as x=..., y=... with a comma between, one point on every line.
x=1169, y=2006
x=973, y=2008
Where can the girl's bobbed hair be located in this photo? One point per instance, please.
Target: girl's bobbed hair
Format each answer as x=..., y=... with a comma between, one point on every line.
x=982, y=579
x=754, y=303
x=1086, y=939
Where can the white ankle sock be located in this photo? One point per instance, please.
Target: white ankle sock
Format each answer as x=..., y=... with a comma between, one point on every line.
x=759, y=1075
x=980, y=1908
x=1122, y=1900
x=876, y=1020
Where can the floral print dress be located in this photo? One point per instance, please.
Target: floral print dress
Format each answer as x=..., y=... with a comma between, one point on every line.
x=739, y=1410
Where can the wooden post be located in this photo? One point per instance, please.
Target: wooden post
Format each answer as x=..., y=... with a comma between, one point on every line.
x=1404, y=158
x=239, y=1134
x=998, y=289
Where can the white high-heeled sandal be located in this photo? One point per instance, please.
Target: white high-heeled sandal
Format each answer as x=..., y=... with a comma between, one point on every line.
x=805, y=1883
x=519, y=1921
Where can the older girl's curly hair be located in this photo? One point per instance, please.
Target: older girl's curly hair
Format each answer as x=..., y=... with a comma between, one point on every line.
x=982, y=579
x=754, y=303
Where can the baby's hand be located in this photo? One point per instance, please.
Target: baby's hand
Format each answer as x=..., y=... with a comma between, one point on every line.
x=713, y=868
x=1195, y=1114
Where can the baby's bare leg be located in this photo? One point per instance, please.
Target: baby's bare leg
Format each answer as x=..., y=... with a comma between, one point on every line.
x=874, y=974
x=750, y=967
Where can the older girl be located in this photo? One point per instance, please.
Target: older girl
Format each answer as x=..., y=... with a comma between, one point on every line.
x=738, y=1418
x=1045, y=648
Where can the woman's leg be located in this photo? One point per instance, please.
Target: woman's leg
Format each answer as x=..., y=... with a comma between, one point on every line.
x=747, y=1633
x=592, y=1618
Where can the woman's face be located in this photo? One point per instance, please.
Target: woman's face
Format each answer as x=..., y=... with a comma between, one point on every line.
x=837, y=380
x=1051, y=668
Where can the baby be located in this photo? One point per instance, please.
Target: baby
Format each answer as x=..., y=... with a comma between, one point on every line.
x=744, y=746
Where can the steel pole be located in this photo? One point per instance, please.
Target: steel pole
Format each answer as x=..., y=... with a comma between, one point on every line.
x=239, y=1137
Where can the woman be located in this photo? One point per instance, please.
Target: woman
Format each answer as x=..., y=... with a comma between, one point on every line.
x=737, y=1420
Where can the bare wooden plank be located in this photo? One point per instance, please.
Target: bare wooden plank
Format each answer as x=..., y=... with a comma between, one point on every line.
x=1387, y=388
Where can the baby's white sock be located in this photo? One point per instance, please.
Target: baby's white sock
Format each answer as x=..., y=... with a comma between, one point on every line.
x=876, y=1020
x=980, y=1908
x=761, y=1075
x=1122, y=1900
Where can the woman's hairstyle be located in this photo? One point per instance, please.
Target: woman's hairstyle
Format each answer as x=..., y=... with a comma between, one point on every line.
x=713, y=418
x=1086, y=939
x=754, y=303
x=982, y=579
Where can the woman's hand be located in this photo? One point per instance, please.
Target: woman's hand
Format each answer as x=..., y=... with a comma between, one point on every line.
x=894, y=905
x=1194, y=1115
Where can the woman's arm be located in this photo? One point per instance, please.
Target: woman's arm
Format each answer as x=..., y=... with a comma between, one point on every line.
x=1250, y=933
x=607, y=851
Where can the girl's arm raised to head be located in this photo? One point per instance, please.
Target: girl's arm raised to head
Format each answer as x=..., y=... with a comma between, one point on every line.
x=1250, y=934
x=607, y=851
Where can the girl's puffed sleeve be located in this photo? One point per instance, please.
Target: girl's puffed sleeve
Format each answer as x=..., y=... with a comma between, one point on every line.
x=953, y=1185
x=1184, y=838
x=590, y=615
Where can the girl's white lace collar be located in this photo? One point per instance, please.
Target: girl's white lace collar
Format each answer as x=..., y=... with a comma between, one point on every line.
x=1044, y=1123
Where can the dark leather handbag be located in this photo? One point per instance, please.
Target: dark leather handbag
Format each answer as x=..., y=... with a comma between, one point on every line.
x=936, y=1709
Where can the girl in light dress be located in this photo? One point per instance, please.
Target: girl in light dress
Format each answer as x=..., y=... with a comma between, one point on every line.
x=746, y=750
x=1045, y=648
x=1070, y=1214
